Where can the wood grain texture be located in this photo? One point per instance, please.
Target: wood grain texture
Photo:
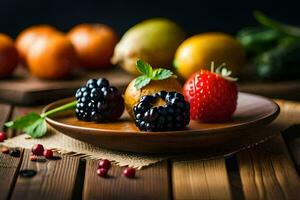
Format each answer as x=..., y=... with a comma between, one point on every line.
x=9, y=168
x=202, y=179
x=267, y=172
x=150, y=183
x=24, y=89
x=291, y=137
x=55, y=179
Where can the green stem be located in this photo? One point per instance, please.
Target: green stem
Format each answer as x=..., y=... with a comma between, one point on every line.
x=67, y=106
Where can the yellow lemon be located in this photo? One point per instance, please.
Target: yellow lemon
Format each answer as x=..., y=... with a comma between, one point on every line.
x=197, y=52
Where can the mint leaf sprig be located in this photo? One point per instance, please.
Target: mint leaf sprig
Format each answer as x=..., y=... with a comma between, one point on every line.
x=149, y=74
x=34, y=124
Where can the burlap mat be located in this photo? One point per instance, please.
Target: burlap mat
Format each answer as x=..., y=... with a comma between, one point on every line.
x=67, y=145
x=290, y=114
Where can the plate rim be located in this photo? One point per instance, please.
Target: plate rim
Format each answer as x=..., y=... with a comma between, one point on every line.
x=269, y=117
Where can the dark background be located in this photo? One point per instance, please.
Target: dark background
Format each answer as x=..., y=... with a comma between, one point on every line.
x=194, y=16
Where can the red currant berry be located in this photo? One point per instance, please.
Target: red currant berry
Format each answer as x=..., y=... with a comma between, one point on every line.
x=129, y=172
x=33, y=158
x=5, y=150
x=104, y=164
x=48, y=153
x=38, y=150
x=102, y=172
x=2, y=136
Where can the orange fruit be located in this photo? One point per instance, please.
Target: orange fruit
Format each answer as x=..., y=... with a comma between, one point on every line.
x=197, y=52
x=28, y=36
x=94, y=44
x=51, y=57
x=133, y=95
x=8, y=56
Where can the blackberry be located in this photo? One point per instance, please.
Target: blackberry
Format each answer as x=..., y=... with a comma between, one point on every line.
x=174, y=114
x=98, y=101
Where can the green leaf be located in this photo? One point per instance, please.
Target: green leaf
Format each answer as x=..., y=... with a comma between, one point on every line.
x=273, y=24
x=160, y=74
x=144, y=68
x=24, y=121
x=34, y=124
x=141, y=81
x=36, y=129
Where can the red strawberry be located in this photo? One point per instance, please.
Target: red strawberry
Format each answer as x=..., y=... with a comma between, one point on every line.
x=212, y=95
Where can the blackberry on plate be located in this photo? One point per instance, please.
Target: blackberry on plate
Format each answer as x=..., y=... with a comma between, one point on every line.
x=98, y=101
x=162, y=111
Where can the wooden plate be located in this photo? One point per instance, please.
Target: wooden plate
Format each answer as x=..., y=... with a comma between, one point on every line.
x=253, y=112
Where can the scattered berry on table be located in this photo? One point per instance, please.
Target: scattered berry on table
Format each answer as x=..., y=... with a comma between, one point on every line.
x=38, y=150
x=28, y=173
x=5, y=150
x=129, y=172
x=173, y=113
x=212, y=95
x=2, y=136
x=102, y=172
x=48, y=153
x=104, y=164
x=15, y=153
x=98, y=101
x=33, y=158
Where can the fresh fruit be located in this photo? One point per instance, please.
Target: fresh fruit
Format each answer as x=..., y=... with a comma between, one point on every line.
x=28, y=36
x=8, y=56
x=5, y=150
x=15, y=153
x=94, y=44
x=48, y=153
x=154, y=40
x=2, y=136
x=212, y=95
x=150, y=82
x=102, y=172
x=98, y=101
x=38, y=150
x=129, y=172
x=162, y=111
x=104, y=164
x=197, y=52
x=52, y=57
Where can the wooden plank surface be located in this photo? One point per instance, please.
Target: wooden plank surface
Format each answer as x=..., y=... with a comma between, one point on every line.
x=24, y=89
x=267, y=172
x=8, y=165
x=55, y=179
x=292, y=139
x=9, y=168
x=200, y=179
x=150, y=183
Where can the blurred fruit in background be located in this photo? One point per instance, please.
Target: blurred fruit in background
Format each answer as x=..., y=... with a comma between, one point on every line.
x=153, y=40
x=197, y=52
x=94, y=44
x=28, y=36
x=273, y=47
x=8, y=56
x=51, y=57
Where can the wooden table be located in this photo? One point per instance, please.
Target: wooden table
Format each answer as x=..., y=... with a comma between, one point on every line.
x=267, y=171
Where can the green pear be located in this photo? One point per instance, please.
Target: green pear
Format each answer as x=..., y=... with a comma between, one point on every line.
x=154, y=41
